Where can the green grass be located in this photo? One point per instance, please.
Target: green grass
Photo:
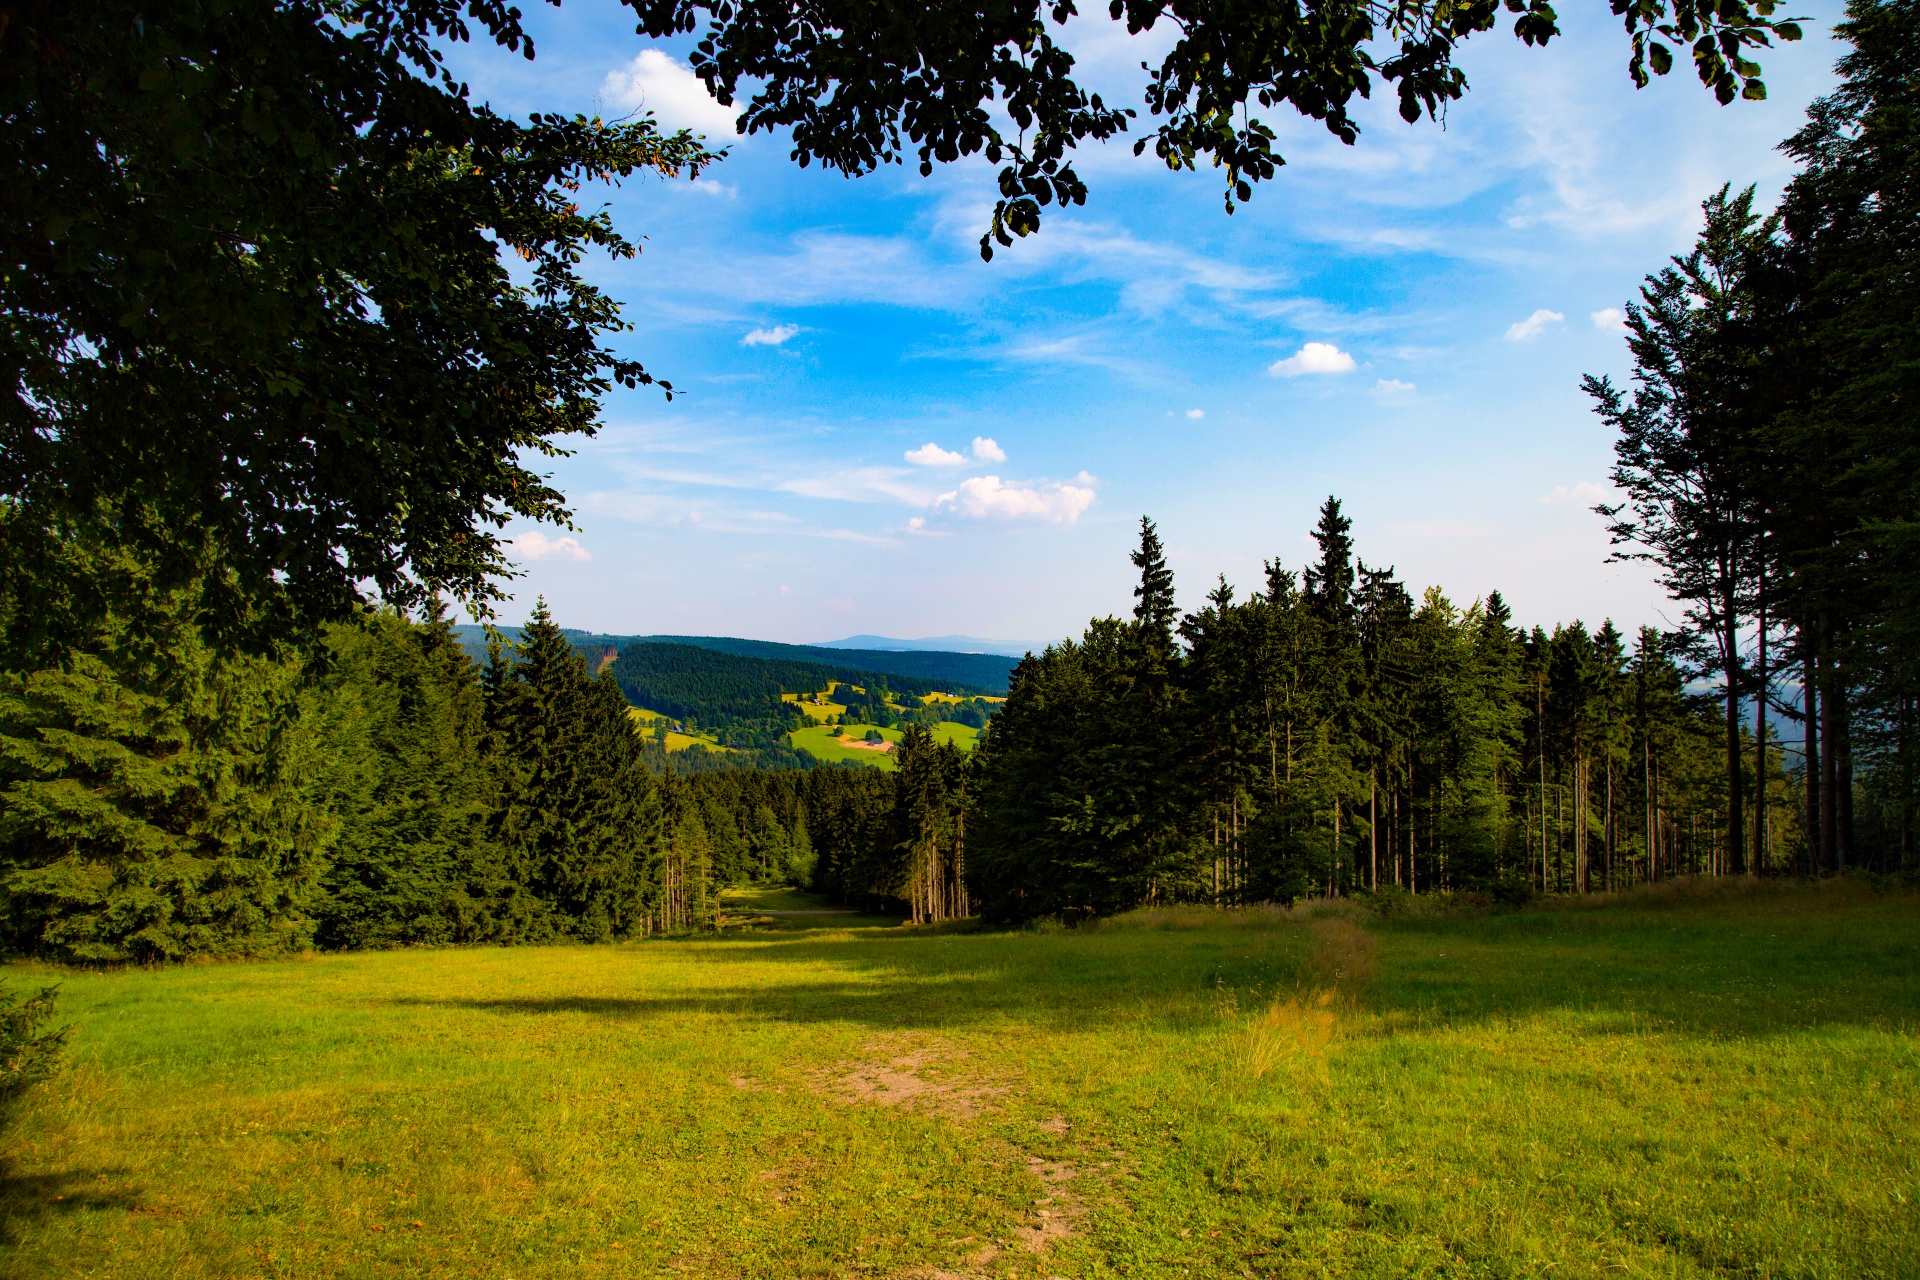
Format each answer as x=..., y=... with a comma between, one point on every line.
x=819, y=741
x=674, y=740
x=963, y=736
x=1668, y=1086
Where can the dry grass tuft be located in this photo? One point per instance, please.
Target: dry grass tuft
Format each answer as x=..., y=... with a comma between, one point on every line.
x=1299, y=1030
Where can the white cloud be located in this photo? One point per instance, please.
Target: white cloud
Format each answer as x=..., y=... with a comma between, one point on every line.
x=785, y=590
x=1391, y=387
x=535, y=545
x=1612, y=319
x=655, y=82
x=1586, y=491
x=1196, y=414
x=1315, y=357
x=987, y=497
x=987, y=450
x=770, y=337
x=932, y=455
x=1533, y=326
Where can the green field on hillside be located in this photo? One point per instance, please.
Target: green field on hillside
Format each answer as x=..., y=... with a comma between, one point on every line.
x=963, y=736
x=1723, y=1083
x=819, y=742
x=675, y=740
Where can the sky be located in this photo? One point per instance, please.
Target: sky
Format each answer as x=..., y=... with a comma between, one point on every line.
x=873, y=431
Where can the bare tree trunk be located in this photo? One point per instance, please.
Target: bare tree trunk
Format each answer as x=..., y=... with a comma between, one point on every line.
x=1843, y=783
x=1736, y=766
x=1830, y=764
x=1373, y=831
x=1760, y=681
x=1581, y=767
x=1810, y=753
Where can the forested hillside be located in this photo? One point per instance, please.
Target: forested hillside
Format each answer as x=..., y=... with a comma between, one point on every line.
x=955, y=672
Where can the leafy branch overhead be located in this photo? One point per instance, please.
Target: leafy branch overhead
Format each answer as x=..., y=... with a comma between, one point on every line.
x=860, y=85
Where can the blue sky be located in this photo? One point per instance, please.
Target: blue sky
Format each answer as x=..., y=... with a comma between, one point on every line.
x=1402, y=323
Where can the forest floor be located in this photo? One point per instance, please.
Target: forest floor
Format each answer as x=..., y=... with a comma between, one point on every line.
x=1681, y=1083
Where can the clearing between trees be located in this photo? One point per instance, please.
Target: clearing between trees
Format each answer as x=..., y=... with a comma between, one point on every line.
x=1699, y=1080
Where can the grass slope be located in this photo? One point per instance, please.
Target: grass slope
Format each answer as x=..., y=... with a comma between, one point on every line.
x=819, y=742
x=1664, y=1087
x=675, y=740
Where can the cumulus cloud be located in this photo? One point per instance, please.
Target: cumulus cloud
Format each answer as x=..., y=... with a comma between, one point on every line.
x=990, y=498
x=1315, y=357
x=987, y=450
x=1196, y=414
x=535, y=545
x=1610, y=318
x=655, y=82
x=1391, y=387
x=1586, y=491
x=932, y=455
x=1533, y=326
x=770, y=337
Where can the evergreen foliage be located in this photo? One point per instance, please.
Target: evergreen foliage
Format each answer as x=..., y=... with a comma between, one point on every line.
x=1769, y=452
x=158, y=800
x=1332, y=736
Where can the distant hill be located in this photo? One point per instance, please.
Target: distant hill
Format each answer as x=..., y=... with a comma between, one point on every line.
x=935, y=644
x=944, y=671
x=715, y=688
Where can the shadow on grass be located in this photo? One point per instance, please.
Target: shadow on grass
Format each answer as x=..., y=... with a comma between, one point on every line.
x=30, y=1199
x=1726, y=973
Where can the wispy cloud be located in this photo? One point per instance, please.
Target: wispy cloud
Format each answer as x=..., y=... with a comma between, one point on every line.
x=860, y=484
x=1314, y=357
x=1610, y=319
x=1533, y=326
x=770, y=337
x=1196, y=414
x=1391, y=387
x=1586, y=492
x=990, y=498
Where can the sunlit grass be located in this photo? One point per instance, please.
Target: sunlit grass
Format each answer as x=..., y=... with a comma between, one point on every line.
x=820, y=742
x=1719, y=1084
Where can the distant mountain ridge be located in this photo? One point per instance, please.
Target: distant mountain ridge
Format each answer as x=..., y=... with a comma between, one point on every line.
x=934, y=644
x=966, y=672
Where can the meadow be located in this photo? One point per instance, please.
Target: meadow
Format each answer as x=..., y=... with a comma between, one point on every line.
x=820, y=742
x=1697, y=1081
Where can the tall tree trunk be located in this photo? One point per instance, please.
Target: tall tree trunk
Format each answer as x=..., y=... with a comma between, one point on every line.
x=1830, y=764
x=1581, y=804
x=1736, y=766
x=1760, y=733
x=1810, y=753
x=1843, y=782
x=1373, y=830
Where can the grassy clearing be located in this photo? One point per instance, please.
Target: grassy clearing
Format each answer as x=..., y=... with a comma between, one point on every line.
x=963, y=736
x=821, y=710
x=819, y=741
x=675, y=740
x=1666, y=1086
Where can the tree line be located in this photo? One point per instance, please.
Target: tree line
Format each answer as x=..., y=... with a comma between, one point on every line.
x=1769, y=452
x=161, y=799
x=1330, y=735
